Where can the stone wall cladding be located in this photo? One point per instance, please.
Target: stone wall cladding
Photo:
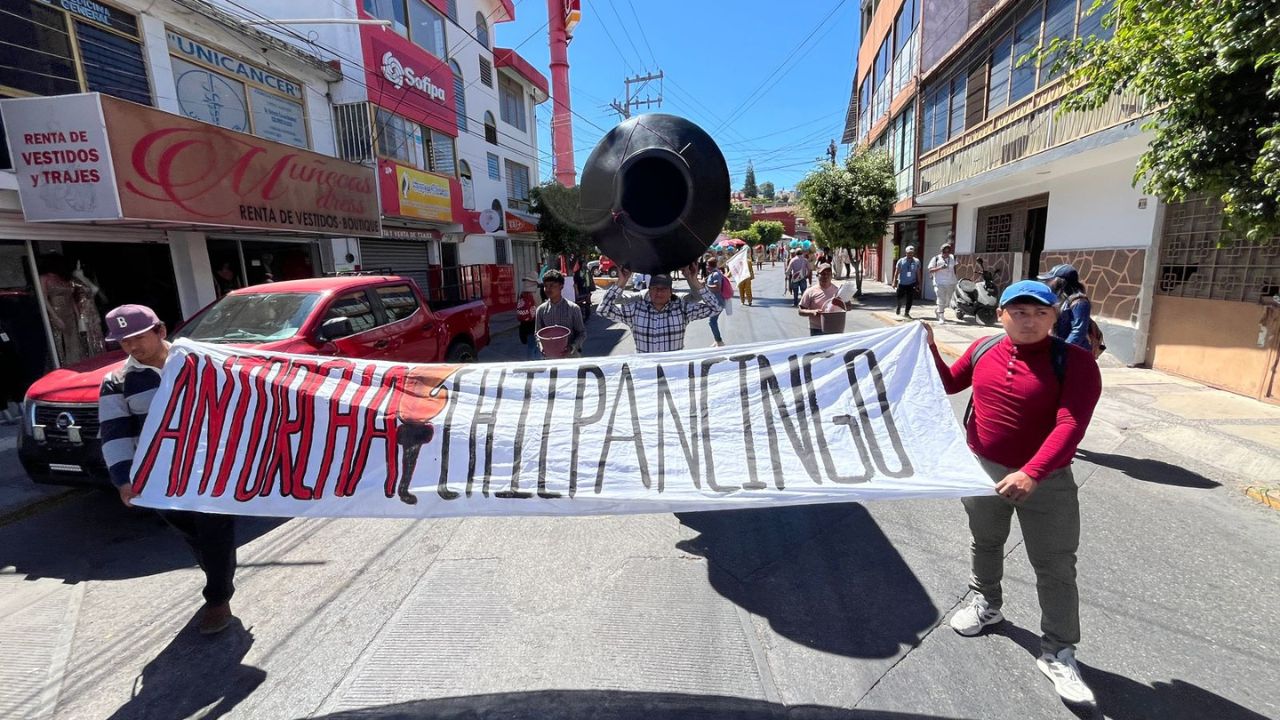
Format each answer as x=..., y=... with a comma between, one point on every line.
x=1113, y=278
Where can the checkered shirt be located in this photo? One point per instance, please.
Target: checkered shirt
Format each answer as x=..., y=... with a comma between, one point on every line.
x=657, y=330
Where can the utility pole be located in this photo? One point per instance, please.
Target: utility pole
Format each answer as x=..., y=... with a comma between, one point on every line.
x=831, y=152
x=624, y=108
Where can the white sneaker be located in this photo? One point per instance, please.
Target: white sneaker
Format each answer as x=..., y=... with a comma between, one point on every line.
x=969, y=621
x=1065, y=674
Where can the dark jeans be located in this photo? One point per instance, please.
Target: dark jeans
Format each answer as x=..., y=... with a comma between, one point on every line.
x=908, y=292
x=797, y=289
x=714, y=321
x=213, y=541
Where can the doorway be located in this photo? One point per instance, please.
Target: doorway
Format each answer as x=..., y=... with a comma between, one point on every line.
x=1033, y=240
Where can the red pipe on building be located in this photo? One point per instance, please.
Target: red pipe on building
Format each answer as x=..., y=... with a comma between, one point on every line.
x=561, y=117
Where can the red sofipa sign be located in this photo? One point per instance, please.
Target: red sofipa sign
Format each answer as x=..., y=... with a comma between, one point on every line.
x=174, y=169
x=408, y=80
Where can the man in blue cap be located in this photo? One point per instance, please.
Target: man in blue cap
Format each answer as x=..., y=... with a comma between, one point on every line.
x=1033, y=397
x=123, y=402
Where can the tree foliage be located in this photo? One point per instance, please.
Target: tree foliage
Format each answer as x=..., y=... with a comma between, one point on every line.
x=1212, y=70
x=561, y=221
x=739, y=218
x=766, y=190
x=749, y=188
x=767, y=232
x=851, y=203
x=750, y=235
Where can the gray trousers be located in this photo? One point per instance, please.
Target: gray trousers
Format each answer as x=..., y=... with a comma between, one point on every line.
x=1050, y=522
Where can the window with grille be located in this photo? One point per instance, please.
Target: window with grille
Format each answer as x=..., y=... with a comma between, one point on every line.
x=351, y=125
x=486, y=72
x=511, y=102
x=500, y=255
x=459, y=96
x=494, y=172
x=1201, y=259
x=997, y=233
x=490, y=128
x=517, y=186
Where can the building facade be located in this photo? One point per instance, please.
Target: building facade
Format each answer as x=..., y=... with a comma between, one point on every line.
x=183, y=67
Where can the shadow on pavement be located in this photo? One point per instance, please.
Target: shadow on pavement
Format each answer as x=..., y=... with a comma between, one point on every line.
x=97, y=538
x=1121, y=698
x=610, y=705
x=1148, y=470
x=824, y=576
x=195, y=676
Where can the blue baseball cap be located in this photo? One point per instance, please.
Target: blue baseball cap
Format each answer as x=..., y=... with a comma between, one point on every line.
x=1032, y=289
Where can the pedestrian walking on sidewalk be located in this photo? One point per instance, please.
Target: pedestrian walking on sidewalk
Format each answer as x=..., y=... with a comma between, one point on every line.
x=559, y=311
x=659, y=320
x=844, y=262
x=1075, y=324
x=906, y=278
x=816, y=299
x=798, y=273
x=123, y=401
x=1033, y=398
x=942, y=270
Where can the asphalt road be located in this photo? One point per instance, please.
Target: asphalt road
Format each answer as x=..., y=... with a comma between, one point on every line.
x=835, y=611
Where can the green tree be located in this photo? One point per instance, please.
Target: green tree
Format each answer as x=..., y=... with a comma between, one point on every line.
x=750, y=236
x=1212, y=71
x=766, y=190
x=749, y=188
x=560, y=219
x=767, y=231
x=850, y=204
x=739, y=218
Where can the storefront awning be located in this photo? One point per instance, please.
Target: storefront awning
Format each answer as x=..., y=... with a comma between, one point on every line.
x=95, y=158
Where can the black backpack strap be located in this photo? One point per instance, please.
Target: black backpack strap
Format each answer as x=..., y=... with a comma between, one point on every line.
x=1058, y=358
x=978, y=352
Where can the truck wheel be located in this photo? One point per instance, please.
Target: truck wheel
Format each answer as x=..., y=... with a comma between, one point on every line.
x=613, y=272
x=461, y=352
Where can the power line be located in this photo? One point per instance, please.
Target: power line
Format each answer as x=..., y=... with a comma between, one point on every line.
x=643, y=35
x=623, y=26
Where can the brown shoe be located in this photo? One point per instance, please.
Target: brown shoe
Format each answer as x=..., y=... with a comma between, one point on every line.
x=216, y=618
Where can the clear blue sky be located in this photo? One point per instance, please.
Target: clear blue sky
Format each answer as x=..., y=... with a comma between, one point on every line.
x=718, y=58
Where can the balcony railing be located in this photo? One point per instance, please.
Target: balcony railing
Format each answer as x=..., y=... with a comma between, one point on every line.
x=1028, y=128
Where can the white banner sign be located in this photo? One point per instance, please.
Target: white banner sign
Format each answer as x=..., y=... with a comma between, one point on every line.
x=739, y=266
x=835, y=418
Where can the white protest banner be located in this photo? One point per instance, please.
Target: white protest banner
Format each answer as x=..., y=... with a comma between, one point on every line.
x=739, y=266
x=834, y=418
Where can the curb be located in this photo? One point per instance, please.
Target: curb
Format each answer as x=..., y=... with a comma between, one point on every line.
x=1269, y=497
x=20, y=512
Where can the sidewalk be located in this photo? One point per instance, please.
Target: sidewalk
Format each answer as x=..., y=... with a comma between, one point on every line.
x=1237, y=435
x=18, y=495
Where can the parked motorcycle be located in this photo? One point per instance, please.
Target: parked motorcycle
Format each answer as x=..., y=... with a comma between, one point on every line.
x=978, y=297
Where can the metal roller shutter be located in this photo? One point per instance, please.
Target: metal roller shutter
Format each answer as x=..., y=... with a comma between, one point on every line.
x=401, y=257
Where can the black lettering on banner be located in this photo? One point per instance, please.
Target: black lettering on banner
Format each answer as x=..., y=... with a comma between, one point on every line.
x=687, y=444
x=625, y=385
x=442, y=487
x=546, y=437
x=579, y=420
x=882, y=400
x=792, y=418
x=705, y=416
x=748, y=435
x=488, y=419
x=821, y=439
x=517, y=452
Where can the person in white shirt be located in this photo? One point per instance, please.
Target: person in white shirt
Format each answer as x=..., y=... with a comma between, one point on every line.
x=942, y=268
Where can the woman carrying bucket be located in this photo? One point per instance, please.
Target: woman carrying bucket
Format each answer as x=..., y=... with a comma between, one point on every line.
x=558, y=322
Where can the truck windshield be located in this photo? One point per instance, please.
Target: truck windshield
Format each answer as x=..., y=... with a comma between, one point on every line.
x=251, y=318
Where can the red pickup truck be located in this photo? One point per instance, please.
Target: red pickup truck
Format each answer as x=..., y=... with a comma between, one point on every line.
x=367, y=317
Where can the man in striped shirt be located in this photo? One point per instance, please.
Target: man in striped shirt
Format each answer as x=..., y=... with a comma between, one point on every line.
x=123, y=402
x=659, y=320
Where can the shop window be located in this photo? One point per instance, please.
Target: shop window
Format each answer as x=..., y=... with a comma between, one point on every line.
x=392, y=10
x=511, y=102
x=356, y=308
x=482, y=30
x=517, y=186
x=490, y=128
x=269, y=106
x=443, y=157
x=486, y=72
x=494, y=173
x=398, y=301
x=459, y=96
x=468, y=185
x=426, y=28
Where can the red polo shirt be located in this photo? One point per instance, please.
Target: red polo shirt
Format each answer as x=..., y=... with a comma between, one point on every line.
x=1022, y=417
